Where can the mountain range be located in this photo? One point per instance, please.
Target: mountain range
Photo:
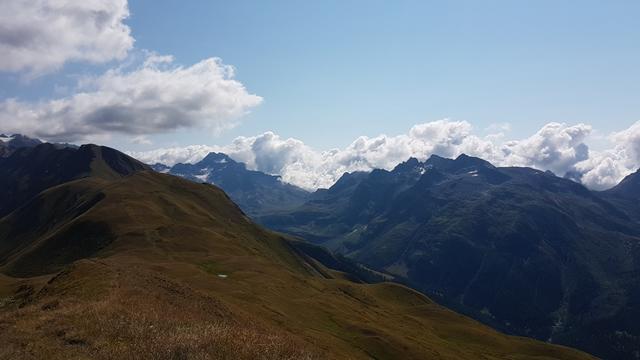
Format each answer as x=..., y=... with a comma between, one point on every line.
x=255, y=192
x=9, y=143
x=101, y=257
x=520, y=249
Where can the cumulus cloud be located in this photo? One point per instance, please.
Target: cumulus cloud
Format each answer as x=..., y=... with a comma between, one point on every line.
x=173, y=155
x=558, y=147
x=40, y=36
x=628, y=143
x=604, y=169
x=154, y=97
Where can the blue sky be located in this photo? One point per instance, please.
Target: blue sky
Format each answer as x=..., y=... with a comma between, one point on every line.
x=328, y=72
x=370, y=67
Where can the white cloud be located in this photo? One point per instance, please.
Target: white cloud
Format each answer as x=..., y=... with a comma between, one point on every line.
x=40, y=36
x=605, y=169
x=557, y=147
x=628, y=143
x=602, y=170
x=173, y=155
x=153, y=98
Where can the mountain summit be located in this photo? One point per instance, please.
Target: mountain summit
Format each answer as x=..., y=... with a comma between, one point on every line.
x=30, y=170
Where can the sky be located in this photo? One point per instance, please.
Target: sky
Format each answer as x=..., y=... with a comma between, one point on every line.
x=309, y=90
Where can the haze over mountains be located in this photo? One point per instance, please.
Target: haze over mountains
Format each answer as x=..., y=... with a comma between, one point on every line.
x=101, y=257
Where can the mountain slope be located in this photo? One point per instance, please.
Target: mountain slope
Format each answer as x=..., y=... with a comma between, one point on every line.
x=517, y=248
x=153, y=266
x=625, y=196
x=254, y=191
x=30, y=170
x=628, y=188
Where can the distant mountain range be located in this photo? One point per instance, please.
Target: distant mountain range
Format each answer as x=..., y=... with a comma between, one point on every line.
x=523, y=250
x=9, y=143
x=255, y=192
x=102, y=258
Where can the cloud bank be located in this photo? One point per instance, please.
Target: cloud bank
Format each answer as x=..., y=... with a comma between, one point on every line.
x=558, y=147
x=155, y=97
x=40, y=36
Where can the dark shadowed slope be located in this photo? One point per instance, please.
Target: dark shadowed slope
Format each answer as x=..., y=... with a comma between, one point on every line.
x=626, y=195
x=628, y=188
x=30, y=170
x=255, y=192
x=154, y=266
x=518, y=248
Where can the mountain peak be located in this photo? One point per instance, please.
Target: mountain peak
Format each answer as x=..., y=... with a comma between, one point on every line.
x=438, y=161
x=216, y=158
x=110, y=163
x=410, y=164
x=435, y=157
x=348, y=180
x=465, y=157
x=463, y=161
x=467, y=160
x=45, y=165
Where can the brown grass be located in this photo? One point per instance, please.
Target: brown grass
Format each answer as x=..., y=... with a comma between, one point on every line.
x=134, y=323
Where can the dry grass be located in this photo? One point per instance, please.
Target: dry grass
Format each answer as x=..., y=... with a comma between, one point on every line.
x=135, y=323
x=126, y=330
